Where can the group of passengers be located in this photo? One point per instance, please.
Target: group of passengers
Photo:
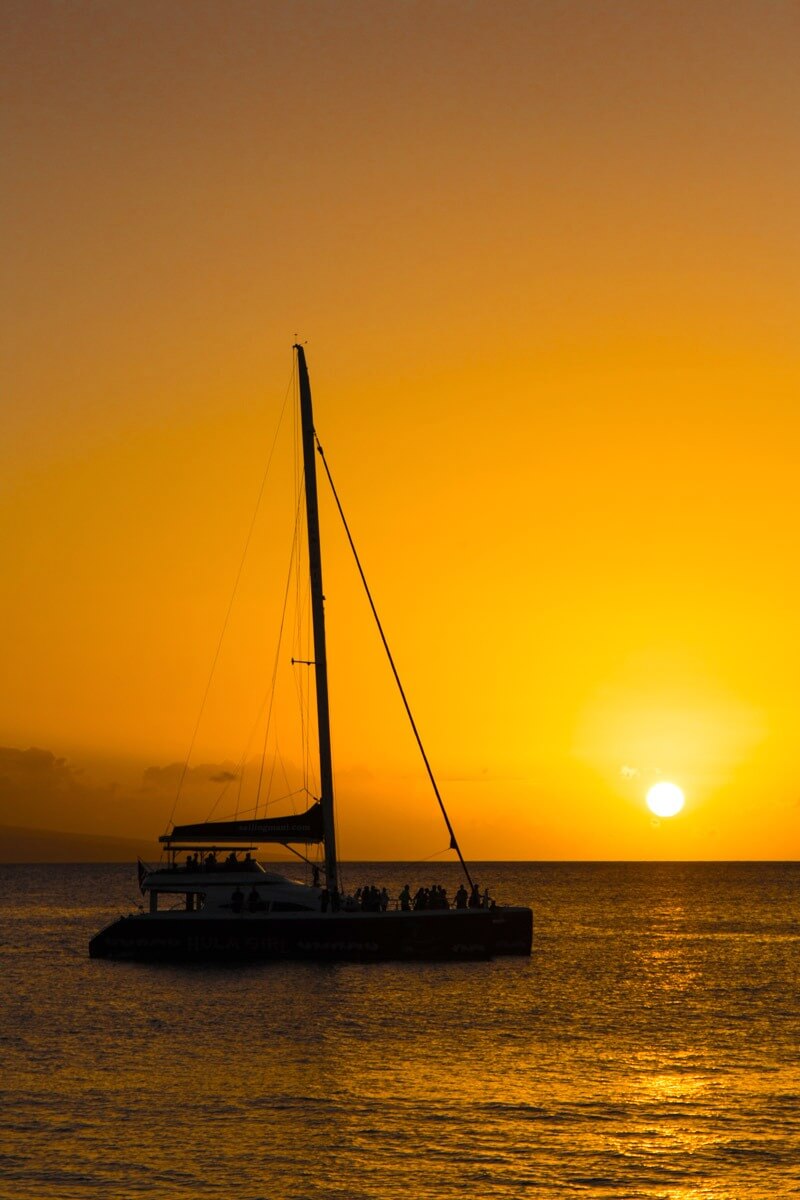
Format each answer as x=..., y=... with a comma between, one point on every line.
x=436, y=897
x=372, y=899
x=364, y=899
x=475, y=899
x=254, y=901
x=424, y=898
x=194, y=862
x=368, y=899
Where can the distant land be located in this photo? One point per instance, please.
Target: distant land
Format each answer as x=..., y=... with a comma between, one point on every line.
x=21, y=845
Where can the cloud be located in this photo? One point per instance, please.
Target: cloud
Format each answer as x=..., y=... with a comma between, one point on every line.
x=41, y=790
x=27, y=767
x=191, y=794
x=167, y=778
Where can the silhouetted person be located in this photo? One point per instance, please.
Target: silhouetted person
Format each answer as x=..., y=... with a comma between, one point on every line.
x=237, y=900
x=405, y=899
x=475, y=897
x=315, y=876
x=253, y=900
x=461, y=897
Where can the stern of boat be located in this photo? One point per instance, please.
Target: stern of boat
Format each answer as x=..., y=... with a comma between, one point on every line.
x=512, y=931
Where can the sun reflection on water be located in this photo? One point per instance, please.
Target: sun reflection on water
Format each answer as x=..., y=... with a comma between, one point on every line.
x=644, y=1050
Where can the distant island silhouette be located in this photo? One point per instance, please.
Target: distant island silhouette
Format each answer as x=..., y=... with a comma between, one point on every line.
x=19, y=844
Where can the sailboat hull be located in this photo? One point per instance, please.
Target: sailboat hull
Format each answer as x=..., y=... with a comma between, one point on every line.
x=454, y=935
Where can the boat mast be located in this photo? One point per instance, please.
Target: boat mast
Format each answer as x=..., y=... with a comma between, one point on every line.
x=318, y=618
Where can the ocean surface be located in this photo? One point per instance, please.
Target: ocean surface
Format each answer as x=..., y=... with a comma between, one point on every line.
x=649, y=1048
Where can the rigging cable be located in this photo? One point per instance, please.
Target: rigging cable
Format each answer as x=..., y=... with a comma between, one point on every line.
x=230, y=604
x=269, y=698
x=275, y=665
x=453, y=840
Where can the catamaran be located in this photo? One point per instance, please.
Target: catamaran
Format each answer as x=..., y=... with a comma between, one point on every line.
x=212, y=899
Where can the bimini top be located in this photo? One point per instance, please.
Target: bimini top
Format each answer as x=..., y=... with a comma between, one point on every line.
x=305, y=827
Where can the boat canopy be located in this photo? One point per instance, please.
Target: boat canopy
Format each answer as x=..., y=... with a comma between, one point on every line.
x=304, y=827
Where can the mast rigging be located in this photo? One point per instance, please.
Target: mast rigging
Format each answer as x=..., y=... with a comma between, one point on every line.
x=318, y=620
x=453, y=839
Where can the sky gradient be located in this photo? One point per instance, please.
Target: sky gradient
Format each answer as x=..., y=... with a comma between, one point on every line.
x=545, y=260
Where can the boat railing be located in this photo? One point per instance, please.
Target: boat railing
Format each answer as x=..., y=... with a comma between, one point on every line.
x=211, y=866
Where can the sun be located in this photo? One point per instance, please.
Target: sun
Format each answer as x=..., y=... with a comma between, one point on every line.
x=665, y=799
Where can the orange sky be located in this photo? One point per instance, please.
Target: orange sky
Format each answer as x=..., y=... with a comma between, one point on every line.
x=545, y=256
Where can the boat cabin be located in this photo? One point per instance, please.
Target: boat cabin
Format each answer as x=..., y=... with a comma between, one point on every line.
x=224, y=879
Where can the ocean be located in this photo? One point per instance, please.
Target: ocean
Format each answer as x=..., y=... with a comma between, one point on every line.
x=647, y=1049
